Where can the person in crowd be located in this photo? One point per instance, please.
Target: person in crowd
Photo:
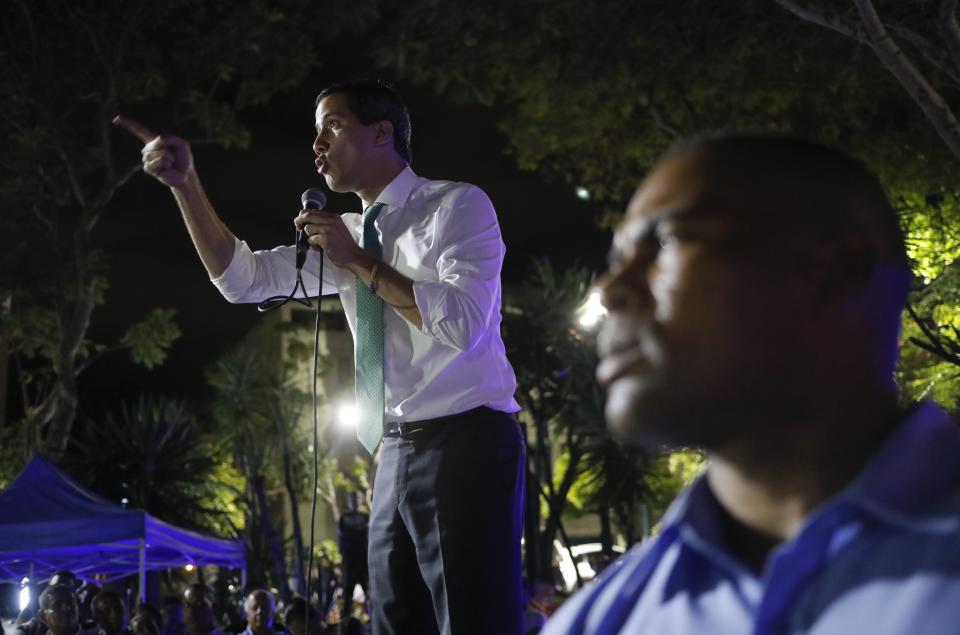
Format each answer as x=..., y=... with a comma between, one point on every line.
x=146, y=620
x=326, y=583
x=259, y=609
x=172, y=623
x=64, y=576
x=144, y=624
x=352, y=532
x=198, y=611
x=755, y=294
x=298, y=613
x=59, y=610
x=418, y=274
x=28, y=621
x=109, y=613
x=85, y=594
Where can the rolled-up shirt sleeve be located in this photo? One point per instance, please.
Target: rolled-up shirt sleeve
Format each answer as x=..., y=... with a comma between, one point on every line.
x=254, y=276
x=456, y=309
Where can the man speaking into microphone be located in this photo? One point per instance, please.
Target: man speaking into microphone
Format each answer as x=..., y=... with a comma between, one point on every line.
x=418, y=274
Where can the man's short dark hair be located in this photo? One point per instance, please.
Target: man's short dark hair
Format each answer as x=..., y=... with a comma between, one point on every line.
x=46, y=598
x=372, y=101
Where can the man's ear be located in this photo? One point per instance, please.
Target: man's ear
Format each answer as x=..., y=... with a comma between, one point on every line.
x=383, y=132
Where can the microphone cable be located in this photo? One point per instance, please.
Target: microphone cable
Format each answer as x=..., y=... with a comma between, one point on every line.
x=311, y=199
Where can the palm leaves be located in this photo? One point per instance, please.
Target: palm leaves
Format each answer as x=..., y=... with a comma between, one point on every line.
x=152, y=455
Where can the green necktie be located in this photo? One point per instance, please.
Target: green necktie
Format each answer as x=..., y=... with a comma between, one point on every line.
x=368, y=353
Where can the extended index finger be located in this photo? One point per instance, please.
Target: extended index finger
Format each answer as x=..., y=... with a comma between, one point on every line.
x=134, y=127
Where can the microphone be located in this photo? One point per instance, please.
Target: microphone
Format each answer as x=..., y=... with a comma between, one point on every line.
x=312, y=198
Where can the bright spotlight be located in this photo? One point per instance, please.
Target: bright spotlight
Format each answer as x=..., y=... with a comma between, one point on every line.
x=348, y=416
x=592, y=311
x=582, y=193
x=189, y=568
x=24, y=597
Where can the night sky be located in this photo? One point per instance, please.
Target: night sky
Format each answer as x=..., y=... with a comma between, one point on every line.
x=256, y=192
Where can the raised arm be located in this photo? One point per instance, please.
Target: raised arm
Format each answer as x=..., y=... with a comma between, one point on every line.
x=169, y=160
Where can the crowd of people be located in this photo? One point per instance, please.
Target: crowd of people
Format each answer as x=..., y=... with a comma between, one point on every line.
x=68, y=605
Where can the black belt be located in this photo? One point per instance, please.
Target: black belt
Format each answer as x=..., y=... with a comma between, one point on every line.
x=412, y=429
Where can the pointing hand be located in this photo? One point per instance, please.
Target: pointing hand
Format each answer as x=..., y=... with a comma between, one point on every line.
x=165, y=157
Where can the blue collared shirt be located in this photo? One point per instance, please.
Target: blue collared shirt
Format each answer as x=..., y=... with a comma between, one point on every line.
x=881, y=557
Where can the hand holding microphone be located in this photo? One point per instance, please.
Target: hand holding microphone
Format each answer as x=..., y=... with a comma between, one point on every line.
x=325, y=231
x=312, y=199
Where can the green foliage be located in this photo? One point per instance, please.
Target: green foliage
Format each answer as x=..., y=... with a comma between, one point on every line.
x=329, y=549
x=150, y=339
x=12, y=457
x=152, y=453
x=255, y=405
x=590, y=94
x=354, y=478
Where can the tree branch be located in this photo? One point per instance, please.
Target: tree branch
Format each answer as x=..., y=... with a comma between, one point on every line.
x=660, y=121
x=933, y=54
x=828, y=20
x=950, y=30
x=933, y=105
x=90, y=360
x=75, y=185
x=934, y=343
x=108, y=192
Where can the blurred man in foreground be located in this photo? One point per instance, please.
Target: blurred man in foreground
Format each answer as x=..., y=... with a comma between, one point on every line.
x=754, y=301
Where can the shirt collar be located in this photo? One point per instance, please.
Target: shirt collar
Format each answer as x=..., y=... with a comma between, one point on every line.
x=398, y=191
x=915, y=469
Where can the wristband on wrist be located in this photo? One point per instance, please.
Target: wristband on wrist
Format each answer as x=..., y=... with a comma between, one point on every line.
x=373, y=277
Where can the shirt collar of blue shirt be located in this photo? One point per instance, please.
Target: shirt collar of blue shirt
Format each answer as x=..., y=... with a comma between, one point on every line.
x=909, y=483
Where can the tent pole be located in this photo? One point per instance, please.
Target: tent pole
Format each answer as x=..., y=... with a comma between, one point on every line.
x=142, y=578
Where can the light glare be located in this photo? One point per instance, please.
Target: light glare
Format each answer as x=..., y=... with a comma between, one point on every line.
x=592, y=311
x=582, y=193
x=347, y=416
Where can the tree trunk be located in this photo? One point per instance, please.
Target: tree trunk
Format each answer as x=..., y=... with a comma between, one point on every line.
x=57, y=422
x=273, y=543
x=557, y=504
x=295, y=517
x=606, y=532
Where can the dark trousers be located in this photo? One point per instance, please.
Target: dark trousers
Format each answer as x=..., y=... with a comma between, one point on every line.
x=445, y=529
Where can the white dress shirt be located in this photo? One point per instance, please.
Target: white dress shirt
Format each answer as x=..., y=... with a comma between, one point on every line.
x=444, y=236
x=881, y=557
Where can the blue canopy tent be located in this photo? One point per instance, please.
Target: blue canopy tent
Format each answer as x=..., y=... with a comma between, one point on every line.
x=49, y=522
